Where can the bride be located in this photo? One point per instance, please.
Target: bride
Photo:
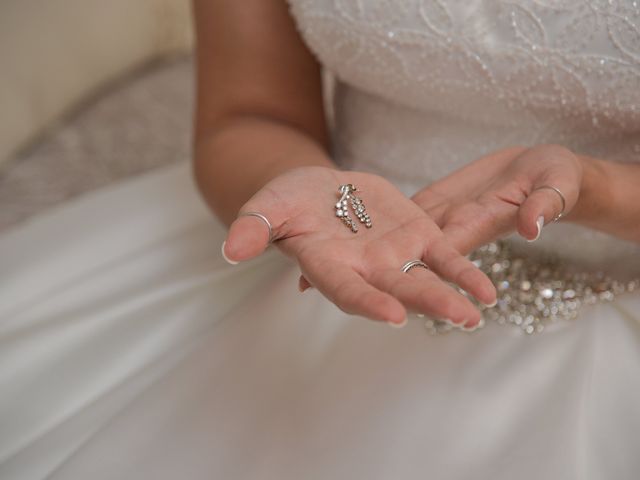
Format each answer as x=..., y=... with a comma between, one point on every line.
x=479, y=174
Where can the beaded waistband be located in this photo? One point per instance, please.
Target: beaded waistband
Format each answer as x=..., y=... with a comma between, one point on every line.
x=533, y=293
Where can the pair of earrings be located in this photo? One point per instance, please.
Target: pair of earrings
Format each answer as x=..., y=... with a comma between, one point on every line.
x=342, y=212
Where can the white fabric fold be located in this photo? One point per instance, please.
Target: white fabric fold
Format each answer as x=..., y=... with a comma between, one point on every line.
x=137, y=352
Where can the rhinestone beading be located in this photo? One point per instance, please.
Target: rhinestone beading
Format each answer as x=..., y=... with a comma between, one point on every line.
x=534, y=292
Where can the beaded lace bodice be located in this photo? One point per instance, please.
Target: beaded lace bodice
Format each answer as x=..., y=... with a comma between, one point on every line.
x=425, y=86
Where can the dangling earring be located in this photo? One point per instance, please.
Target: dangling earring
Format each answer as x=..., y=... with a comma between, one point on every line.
x=342, y=212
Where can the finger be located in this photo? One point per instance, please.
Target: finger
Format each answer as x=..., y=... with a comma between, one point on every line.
x=483, y=225
x=248, y=237
x=464, y=180
x=433, y=203
x=303, y=284
x=421, y=290
x=465, y=239
x=352, y=294
x=438, y=213
x=447, y=262
x=541, y=206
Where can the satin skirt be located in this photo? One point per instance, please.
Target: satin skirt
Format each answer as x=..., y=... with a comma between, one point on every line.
x=130, y=349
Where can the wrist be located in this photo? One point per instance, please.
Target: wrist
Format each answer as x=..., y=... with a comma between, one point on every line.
x=236, y=160
x=593, y=198
x=309, y=161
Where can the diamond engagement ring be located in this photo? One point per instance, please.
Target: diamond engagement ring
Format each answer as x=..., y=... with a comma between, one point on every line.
x=564, y=201
x=413, y=263
x=263, y=218
x=342, y=211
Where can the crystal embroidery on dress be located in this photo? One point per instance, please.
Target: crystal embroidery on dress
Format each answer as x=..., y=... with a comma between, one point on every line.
x=558, y=59
x=426, y=86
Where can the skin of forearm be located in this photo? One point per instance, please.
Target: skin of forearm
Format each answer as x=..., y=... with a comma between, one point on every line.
x=609, y=198
x=234, y=161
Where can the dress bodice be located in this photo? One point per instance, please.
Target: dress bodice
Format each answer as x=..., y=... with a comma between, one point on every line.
x=425, y=86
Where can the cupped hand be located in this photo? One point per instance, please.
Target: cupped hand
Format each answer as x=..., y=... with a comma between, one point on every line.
x=361, y=272
x=501, y=193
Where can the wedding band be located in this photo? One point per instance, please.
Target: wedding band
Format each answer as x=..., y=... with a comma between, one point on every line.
x=413, y=263
x=263, y=218
x=564, y=202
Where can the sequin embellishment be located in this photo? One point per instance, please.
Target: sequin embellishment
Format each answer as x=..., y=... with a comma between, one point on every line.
x=532, y=293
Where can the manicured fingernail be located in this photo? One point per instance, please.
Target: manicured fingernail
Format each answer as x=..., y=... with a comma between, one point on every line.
x=475, y=327
x=452, y=323
x=492, y=304
x=399, y=325
x=539, y=224
x=224, y=255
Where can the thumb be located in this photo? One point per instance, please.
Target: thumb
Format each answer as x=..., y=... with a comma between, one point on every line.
x=248, y=237
x=543, y=205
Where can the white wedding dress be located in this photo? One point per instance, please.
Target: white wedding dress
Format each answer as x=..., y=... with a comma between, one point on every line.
x=130, y=349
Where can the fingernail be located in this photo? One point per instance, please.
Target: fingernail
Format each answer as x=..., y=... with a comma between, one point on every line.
x=465, y=325
x=452, y=323
x=224, y=255
x=399, y=325
x=477, y=326
x=492, y=304
x=539, y=224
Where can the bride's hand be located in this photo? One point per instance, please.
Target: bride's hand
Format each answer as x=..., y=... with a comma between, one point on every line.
x=500, y=193
x=361, y=272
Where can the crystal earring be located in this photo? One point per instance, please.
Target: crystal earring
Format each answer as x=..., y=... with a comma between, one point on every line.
x=342, y=212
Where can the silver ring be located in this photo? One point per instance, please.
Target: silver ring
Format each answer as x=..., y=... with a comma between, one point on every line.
x=263, y=218
x=413, y=263
x=564, y=201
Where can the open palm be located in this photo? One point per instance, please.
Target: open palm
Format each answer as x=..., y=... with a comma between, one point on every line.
x=361, y=272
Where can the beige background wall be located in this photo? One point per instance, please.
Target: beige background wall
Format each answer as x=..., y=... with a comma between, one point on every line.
x=53, y=53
